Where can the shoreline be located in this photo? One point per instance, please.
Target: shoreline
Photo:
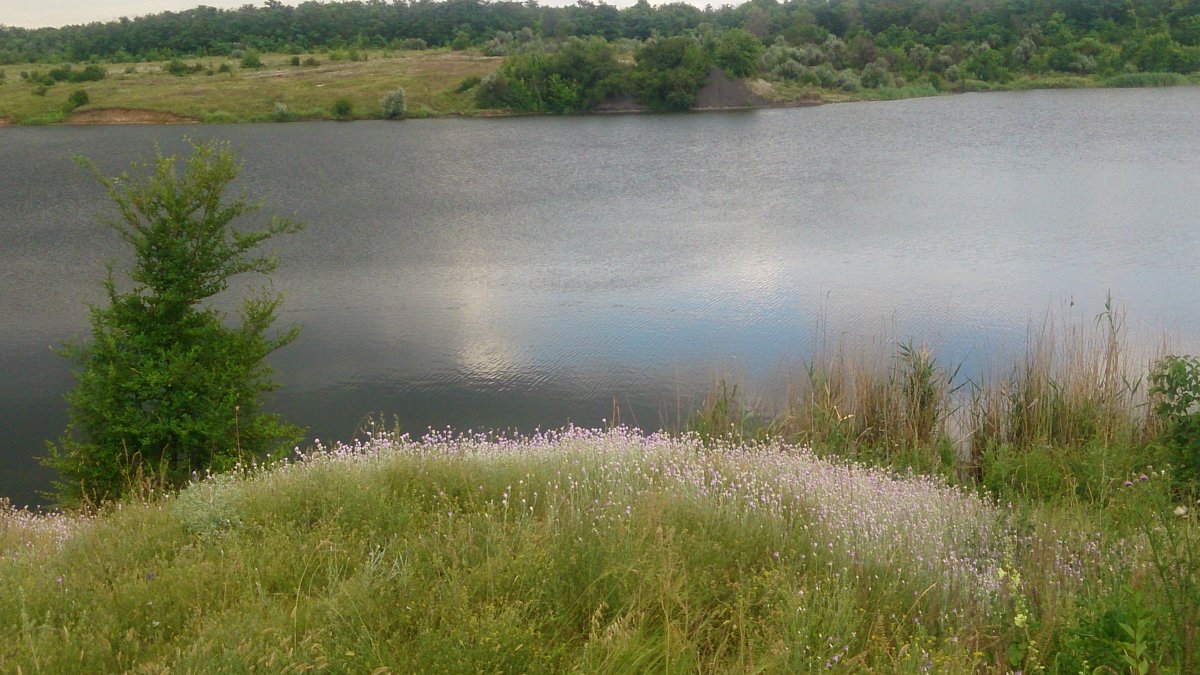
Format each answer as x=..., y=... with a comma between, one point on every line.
x=437, y=85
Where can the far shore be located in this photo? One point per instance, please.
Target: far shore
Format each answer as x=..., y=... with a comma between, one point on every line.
x=436, y=83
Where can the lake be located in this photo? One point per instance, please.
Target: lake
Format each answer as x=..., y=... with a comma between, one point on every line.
x=530, y=272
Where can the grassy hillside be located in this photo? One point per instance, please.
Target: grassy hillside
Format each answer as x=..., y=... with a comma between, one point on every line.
x=429, y=78
x=602, y=551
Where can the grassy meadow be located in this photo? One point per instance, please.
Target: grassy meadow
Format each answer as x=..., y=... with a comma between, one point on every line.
x=855, y=529
x=430, y=79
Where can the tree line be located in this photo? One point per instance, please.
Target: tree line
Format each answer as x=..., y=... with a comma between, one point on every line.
x=984, y=39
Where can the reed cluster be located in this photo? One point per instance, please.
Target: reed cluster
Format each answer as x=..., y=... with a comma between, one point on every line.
x=1074, y=389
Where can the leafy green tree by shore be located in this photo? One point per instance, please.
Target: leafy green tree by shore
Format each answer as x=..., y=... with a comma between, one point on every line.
x=166, y=386
x=670, y=72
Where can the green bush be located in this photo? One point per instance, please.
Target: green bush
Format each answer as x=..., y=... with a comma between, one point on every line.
x=166, y=386
x=393, y=104
x=310, y=61
x=576, y=77
x=1175, y=382
x=875, y=74
x=77, y=99
x=342, y=107
x=64, y=73
x=462, y=40
x=670, y=72
x=281, y=113
x=468, y=83
x=295, y=60
x=251, y=59
x=179, y=68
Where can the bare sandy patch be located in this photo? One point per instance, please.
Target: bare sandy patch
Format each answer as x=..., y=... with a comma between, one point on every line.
x=127, y=116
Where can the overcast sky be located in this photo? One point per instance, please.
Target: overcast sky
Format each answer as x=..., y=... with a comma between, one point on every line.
x=39, y=13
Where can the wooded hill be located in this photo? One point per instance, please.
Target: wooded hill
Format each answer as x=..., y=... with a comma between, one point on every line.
x=1060, y=35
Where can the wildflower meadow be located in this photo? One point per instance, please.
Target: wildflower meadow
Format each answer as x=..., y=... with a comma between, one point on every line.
x=595, y=551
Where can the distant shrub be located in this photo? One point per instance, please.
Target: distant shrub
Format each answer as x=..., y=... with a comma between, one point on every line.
x=225, y=68
x=310, y=61
x=65, y=73
x=461, y=41
x=506, y=43
x=670, y=72
x=576, y=77
x=848, y=80
x=251, y=59
x=281, y=113
x=342, y=107
x=60, y=73
x=295, y=60
x=394, y=105
x=413, y=43
x=76, y=99
x=39, y=90
x=875, y=74
x=468, y=83
x=130, y=70
x=356, y=55
x=783, y=61
x=179, y=68
x=500, y=45
x=793, y=70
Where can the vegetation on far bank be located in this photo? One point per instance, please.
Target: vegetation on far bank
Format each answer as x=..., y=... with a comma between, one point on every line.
x=338, y=60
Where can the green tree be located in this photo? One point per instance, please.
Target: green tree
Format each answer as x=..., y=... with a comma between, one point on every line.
x=739, y=52
x=167, y=386
x=670, y=72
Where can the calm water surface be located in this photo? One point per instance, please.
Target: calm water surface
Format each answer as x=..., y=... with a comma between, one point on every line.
x=528, y=272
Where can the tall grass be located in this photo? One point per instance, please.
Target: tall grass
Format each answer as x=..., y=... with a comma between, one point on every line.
x=574, y=551
x=1074, y=390
x=1147, y=80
